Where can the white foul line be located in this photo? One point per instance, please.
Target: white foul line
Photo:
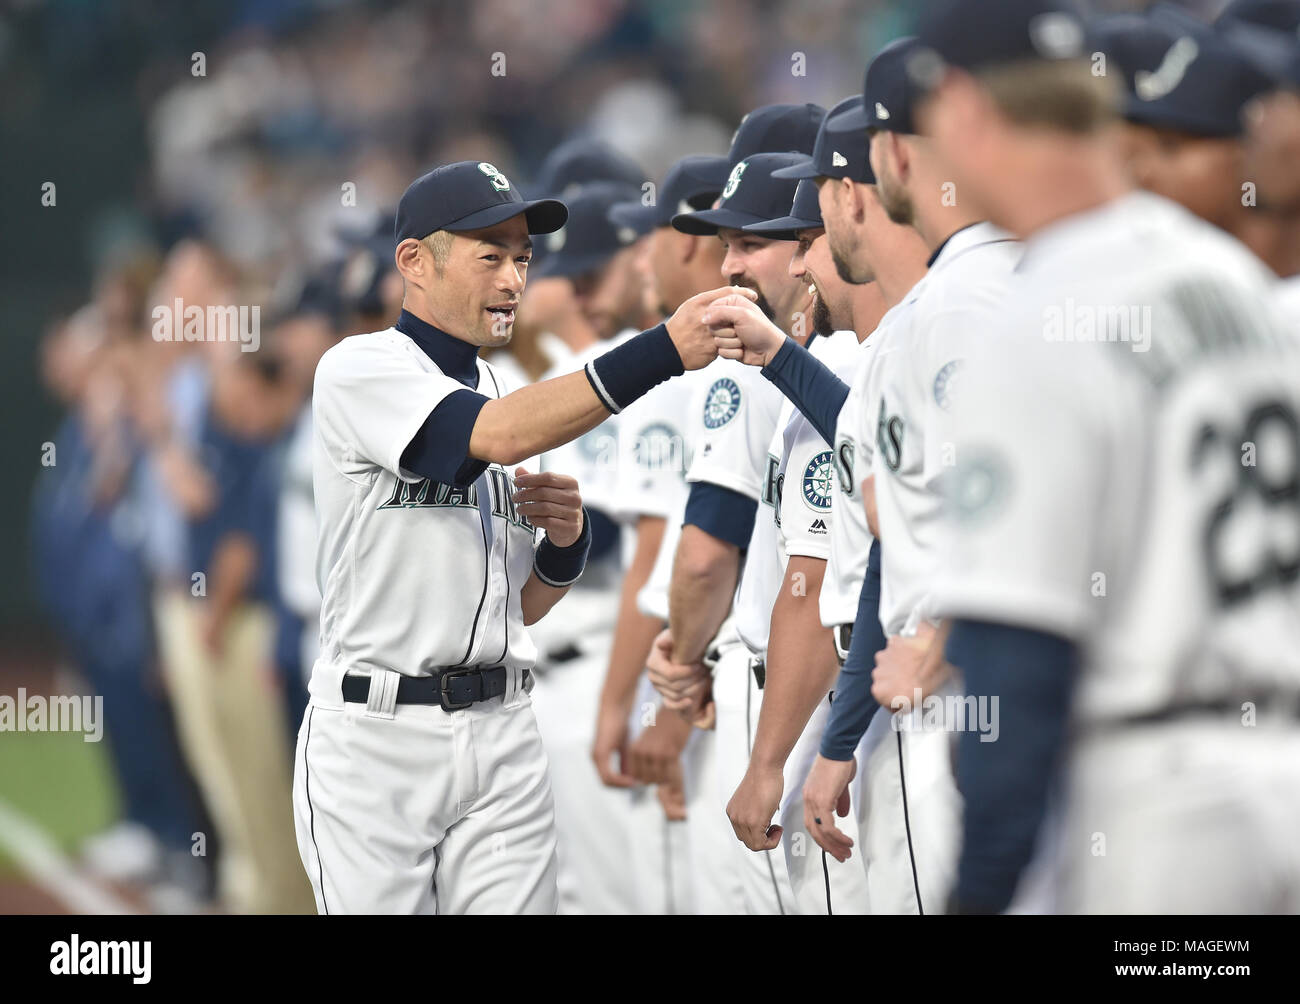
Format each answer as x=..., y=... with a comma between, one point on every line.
x=41, y=858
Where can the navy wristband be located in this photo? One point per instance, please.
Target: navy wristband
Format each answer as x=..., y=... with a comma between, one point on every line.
x=562, y=566
x=623, y=374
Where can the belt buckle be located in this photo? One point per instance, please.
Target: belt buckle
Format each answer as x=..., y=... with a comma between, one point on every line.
x=444, y=683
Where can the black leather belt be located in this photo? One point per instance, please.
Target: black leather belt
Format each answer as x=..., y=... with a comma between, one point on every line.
x=450, y=689
x=759, y=668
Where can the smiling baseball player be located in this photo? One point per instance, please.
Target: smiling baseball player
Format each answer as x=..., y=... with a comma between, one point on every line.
x=420, y=782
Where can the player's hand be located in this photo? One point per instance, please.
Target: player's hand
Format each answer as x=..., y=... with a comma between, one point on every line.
x=611, y=741
x=684, y=686
x=742, y=331
x=654, y=757
x=754, y=804
x=550, y=501
x=693, y=339
x=900, y=671
x=825, y=796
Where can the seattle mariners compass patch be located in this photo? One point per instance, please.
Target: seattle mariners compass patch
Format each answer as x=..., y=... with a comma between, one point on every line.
x=722, y=403
x=944, y=384
x=818, y=481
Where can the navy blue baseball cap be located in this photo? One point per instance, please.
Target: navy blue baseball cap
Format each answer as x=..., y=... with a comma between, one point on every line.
x=975, y=35
x=1268, y=34
x=805, y=214
x=580, y=161
x=889, y=92
x=1133, y=44
x=589, y=239
x=1279, y=15
x=366, y=261
x=1200, y=86
x=751, y=195
x=468, y=195
x=776, y=129
x=838, y=152
x=694, y=182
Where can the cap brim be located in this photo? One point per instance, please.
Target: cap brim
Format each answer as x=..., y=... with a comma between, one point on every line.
x=640, y=218
x=803, y=170
x=784, y=229
x=544, y=216
x=1160, y=116
x=709, y=221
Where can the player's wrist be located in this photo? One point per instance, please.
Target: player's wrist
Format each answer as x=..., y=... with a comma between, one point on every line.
x=561, y=566
x=626, y=372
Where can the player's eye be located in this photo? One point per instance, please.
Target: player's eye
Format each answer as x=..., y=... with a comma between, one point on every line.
x=524, y=259
x=491, y=257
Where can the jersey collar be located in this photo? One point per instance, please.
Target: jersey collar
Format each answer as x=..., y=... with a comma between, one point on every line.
x=456, y=358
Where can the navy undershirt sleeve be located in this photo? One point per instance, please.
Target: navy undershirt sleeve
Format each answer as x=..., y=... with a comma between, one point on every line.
x=721, y=512
x=853, y=707
x=1005, y=783
x=810, y=385
x=439, y=450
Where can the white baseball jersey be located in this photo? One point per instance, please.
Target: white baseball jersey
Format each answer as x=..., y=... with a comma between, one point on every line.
x=692, y=390
x=733, y=427
x=1129, y=464
x=917, y=379
x=413, y=574
x=795, y=521
x=1288, y=301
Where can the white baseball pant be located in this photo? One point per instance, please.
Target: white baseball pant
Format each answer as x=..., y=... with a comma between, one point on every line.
x=409, y=809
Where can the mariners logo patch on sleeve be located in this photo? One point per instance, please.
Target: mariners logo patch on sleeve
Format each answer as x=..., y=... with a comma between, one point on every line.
x=945, y=382
x=818, y=481
x=722, y=403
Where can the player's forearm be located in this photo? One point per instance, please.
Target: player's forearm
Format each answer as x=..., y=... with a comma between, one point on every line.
x=854, y=706
x=1005, y=778
x=537, y=598
x=545, y=415
x=809, y=385
x=535, y=419
x=704, y=578
x=635, y=632
x=801, y=666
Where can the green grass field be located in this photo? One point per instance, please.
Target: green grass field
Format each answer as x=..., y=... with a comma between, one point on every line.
x=59, y=781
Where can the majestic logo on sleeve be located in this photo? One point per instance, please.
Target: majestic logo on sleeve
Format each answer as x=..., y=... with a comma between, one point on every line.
x=722, y=403
x=819, y=481
x=889, y=438
x=945, y=382
x=499, y=180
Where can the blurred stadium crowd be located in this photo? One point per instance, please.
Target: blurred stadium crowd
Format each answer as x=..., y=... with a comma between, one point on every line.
x=182, y=468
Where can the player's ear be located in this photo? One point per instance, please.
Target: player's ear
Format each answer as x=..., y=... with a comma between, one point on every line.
x=412, y=261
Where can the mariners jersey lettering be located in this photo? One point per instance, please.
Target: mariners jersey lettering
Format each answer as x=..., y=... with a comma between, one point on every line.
x=919, y=380
x=1133, y=483
x=794, y=515
x=413, y=574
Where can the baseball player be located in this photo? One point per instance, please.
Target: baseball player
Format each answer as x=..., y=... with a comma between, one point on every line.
x=777, y=559
x=420, y=781
x=668, y=752
x=1120, y=577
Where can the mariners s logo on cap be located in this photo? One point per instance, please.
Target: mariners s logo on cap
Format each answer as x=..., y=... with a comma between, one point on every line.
x=881, y=111
x=499, y=181
x=817, y=479
x=733, y=182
